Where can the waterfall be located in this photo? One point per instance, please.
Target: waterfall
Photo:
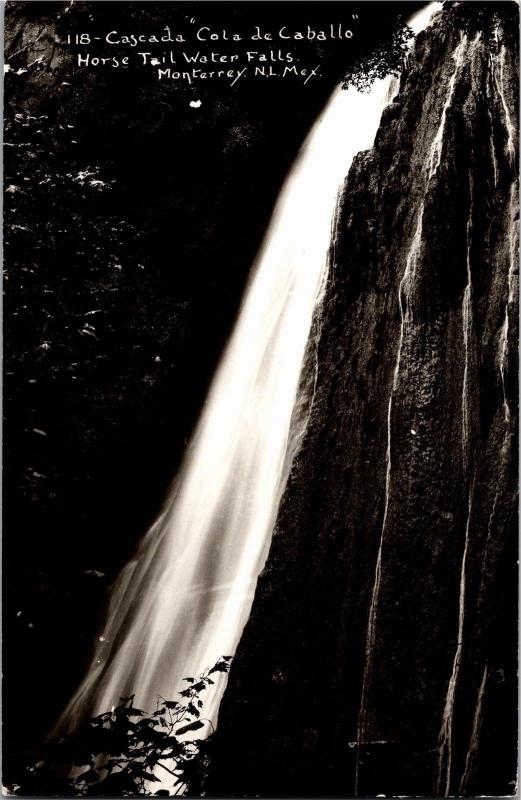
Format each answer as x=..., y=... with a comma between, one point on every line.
x=437, y=144
x=183, y=600
x=490, y=83
x=405, y=304
x=443, y=775
x=512, y=294
x=500, y=86
x=503, y=344
x=474, y=736
x=444, y=760
x=502, y=359
x=444, y=756
x=467, y=333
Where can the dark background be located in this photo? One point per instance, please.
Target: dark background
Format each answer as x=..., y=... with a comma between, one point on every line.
x=119, y=297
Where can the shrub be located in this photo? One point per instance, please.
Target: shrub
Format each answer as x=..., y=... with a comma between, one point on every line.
x=125, y=751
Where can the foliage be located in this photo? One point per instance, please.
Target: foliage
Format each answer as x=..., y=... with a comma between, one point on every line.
x=88, y=319
x=60, y=229
x=123, y=752
x=385, y=59
x=493, y=21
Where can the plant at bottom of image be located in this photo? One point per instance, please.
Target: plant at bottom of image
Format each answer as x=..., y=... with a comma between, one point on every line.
x=127, y=751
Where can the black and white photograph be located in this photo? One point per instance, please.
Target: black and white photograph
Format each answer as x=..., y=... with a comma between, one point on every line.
x=260, y=396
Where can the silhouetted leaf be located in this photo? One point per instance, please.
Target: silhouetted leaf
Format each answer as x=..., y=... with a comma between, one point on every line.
x=172, y=745
x=220, y=667
x=128, y=752
x=193, y=710
x=192, y=726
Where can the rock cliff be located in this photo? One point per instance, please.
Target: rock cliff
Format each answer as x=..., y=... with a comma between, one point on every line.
x=380, y=654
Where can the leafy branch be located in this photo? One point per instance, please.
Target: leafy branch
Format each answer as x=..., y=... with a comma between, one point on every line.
x=127, y=751
x=387, y=58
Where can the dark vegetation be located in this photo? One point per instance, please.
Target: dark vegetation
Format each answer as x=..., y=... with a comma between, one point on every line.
x=380, y=61
x=127, y=751
x=486, y=19
x=387, y=57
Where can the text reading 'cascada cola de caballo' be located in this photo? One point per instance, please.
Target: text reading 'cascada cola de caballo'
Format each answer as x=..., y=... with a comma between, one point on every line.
x=202, y=53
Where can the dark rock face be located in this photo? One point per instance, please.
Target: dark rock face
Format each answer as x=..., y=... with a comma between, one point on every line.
x=161, y=253
x=380, y=653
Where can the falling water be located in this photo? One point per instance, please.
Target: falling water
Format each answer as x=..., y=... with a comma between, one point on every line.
x=467, y=332
x=511, y=298
x=444, y=760
x=502, y=363
x=182, y=602
x=437, y=144
x=500, y=86
x=491, y=121
x=513, y=289
x=443, y=774
x=444, y=756
x=474, y=736
x=405, y=296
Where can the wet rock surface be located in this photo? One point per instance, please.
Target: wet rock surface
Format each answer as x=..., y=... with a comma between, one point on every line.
x=401, y=509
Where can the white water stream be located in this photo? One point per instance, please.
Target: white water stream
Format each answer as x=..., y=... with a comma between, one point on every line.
x=184, y=599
